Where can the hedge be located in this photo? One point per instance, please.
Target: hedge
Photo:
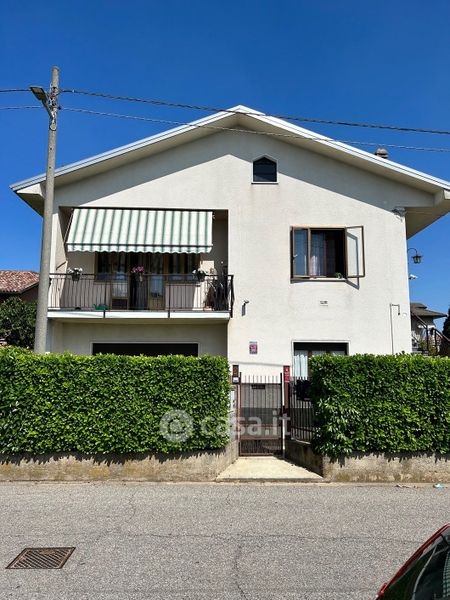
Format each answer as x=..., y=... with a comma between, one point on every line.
x=107, y=403
x=366, y=403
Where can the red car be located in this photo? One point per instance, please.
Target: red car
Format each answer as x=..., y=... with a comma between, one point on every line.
x=426, y=575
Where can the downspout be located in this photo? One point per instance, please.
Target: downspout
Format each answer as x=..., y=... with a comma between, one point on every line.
x=392, y=324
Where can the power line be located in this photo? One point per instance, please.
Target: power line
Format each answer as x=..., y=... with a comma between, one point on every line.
x=284, y=117
x=16, y=107
x=247, y=131
x=8, y=90
x=248, y=113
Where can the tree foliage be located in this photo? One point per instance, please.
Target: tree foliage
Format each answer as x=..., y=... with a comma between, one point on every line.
x=17, y=322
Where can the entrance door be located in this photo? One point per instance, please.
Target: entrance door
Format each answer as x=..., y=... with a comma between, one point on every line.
x=260, y=416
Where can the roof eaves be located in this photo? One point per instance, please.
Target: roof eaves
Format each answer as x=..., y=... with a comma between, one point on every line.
x=249, y=113
x=351, y=150
x=121, y=150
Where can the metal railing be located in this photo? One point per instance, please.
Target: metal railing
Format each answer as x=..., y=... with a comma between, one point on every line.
x=301, y=411
x=430, y=340
x=143, y=292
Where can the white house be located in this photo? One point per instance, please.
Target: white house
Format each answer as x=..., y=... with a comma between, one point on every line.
x=239, y=234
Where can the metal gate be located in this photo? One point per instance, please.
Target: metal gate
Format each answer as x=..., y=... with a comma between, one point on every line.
x=301, y=411
x=260, y=421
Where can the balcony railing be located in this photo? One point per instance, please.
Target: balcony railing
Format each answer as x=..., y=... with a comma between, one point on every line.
x=141, y=292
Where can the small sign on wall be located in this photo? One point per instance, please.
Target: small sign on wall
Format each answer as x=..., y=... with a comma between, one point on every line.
x=286, y=374
x=235, y=374
x=253, y=347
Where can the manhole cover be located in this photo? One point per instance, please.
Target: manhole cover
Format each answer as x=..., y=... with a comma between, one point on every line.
x=41, y=558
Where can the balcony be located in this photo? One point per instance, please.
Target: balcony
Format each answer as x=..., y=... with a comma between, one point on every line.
x=141, y=293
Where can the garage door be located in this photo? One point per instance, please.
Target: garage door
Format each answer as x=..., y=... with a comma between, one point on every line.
x=146, y=349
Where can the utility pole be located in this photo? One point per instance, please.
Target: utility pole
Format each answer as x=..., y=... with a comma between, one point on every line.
x=50, y=103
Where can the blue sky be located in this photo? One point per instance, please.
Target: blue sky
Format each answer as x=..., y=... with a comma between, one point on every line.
x=380, y=62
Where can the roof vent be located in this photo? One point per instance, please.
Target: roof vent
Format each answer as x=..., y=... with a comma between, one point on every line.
x=382, y=153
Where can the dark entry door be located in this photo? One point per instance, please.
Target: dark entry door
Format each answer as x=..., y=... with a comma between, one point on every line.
x=260, y=416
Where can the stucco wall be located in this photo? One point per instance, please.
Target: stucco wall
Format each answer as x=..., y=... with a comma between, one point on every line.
x=312, y=190
x=78, y=337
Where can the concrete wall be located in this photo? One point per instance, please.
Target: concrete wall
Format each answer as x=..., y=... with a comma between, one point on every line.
x=78, y=337
x=312, y=190
x=373, y=467
x=193, y=466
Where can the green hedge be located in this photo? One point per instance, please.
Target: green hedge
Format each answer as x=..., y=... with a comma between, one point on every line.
x=108, y=403
x=368, y=403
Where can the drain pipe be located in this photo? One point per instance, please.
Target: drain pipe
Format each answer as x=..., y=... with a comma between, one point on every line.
x=392, y=323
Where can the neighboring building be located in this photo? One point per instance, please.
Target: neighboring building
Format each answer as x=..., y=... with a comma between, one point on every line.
x=425, y=335
x=264, y=248
x=23, y=284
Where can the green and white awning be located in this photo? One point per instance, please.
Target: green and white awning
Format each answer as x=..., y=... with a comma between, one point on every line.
x=140, y=230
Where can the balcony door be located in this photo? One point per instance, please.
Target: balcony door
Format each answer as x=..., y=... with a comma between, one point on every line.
x=140, y=278
x=156, y=287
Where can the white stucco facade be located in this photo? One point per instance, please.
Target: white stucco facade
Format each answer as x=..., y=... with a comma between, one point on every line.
x=252, y=236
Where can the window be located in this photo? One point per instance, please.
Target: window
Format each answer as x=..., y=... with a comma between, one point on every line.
x=304, y=351
x=318, y=253
x=121, y=263
x=328, y=252
x=264, y=170
x=109, y=263
x=425, y=578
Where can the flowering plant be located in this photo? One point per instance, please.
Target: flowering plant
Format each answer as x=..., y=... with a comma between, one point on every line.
x=139, y=270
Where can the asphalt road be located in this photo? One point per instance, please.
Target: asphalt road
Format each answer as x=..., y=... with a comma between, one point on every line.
x=214, y=541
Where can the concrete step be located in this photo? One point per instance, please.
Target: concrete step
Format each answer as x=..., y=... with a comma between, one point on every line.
x=266, y=469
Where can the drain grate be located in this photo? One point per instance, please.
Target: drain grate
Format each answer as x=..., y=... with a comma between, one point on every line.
x=41, y=558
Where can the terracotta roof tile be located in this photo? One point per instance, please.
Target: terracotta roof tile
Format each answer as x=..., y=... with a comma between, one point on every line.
x=16, y=282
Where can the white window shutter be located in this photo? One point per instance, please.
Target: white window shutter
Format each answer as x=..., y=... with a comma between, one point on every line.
x=354, y=251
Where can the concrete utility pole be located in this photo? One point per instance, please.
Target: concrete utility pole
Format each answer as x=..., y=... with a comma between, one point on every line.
x=50, y=103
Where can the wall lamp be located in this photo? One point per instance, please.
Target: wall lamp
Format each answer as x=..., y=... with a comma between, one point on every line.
x=417, y=258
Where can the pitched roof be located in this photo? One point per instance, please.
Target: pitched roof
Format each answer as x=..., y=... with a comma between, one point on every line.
x=419, y=309
x=16, y=282
x=248, y=117
x=238, y=119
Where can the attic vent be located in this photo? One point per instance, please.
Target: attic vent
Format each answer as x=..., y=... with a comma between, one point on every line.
x=382, y=153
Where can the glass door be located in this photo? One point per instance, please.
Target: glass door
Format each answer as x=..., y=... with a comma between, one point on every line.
x=156, y=287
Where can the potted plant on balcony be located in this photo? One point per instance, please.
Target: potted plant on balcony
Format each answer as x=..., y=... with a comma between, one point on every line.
x=138, y=273
x=75, y=273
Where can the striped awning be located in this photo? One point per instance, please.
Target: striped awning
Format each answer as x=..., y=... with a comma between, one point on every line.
x=140, y=230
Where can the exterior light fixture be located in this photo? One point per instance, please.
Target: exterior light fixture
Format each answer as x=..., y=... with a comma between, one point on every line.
x=44, y=98
x=39, y=93
x=417, y=258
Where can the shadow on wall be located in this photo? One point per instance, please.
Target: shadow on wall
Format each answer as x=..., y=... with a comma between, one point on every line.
x=294, y=162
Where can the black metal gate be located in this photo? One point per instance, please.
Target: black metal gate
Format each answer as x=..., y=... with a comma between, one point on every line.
x=301, y=411
x=260, y=416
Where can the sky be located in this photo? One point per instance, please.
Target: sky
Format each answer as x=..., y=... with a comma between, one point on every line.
x=379, y=62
